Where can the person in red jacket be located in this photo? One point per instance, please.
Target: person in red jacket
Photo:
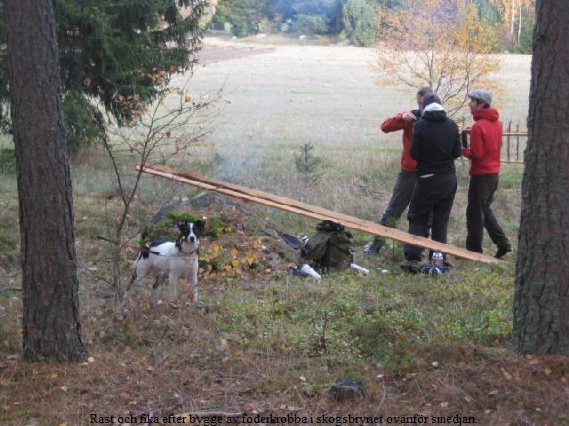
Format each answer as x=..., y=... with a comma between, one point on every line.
x=484, y=155
x=408, y=175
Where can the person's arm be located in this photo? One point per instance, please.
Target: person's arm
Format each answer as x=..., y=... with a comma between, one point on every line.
x=398, y=122
x=457, y=148
x=415, y=149
x=475, y=150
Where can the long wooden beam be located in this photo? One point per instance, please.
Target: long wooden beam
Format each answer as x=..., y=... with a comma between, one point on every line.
x=308, y=210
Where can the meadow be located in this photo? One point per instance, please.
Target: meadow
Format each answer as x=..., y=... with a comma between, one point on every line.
x=262, y=342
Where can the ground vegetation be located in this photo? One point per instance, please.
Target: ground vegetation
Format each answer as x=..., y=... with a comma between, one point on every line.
x=263, y=341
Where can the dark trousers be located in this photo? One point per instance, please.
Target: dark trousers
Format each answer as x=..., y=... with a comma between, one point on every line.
x=400, y=198
x=479, y=215
x=432, y=195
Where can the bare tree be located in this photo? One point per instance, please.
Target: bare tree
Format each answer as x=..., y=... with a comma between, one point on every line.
x=541, y=301
x=157, y=133
x=51, y=321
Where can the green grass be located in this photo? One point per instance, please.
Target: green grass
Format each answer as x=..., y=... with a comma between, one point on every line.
x=373, y=319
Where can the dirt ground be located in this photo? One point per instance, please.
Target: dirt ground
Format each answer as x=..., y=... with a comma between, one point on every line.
x=169, y=363
x=216, y=50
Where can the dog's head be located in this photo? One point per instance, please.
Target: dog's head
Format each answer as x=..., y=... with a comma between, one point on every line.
x=190, y=231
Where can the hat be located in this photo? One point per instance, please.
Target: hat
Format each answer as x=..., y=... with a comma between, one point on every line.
x=482, y=96
x=431, y=98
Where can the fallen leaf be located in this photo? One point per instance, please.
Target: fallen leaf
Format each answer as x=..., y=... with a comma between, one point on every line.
x=507, y=375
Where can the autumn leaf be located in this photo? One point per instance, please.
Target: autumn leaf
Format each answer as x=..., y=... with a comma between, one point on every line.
x=507, y=375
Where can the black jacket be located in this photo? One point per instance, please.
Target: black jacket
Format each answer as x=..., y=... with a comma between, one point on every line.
x=435, y=144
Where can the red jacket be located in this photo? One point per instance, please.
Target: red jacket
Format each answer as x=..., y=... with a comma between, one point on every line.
x=394, y=124
x=485, y=142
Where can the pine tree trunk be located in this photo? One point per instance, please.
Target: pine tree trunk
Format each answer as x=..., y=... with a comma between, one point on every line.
x=541, y=301
x=51, y=322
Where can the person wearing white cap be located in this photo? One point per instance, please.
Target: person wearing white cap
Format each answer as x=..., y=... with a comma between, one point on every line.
x=484, y=154
x=435, y=145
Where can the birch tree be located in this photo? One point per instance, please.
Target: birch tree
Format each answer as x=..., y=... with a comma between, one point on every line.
x=439, y=44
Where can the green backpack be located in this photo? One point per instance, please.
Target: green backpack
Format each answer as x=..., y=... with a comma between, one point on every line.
x=330, y=248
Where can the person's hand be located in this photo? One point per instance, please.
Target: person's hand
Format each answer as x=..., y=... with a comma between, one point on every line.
x=467, y=129
x=409, y=116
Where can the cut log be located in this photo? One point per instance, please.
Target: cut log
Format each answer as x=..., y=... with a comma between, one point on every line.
x=308, y=210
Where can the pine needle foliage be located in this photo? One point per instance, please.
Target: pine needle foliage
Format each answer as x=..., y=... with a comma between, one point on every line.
x=307, y=164
x=111, y=50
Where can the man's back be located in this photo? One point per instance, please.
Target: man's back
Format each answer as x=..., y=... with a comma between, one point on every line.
x=435, y=143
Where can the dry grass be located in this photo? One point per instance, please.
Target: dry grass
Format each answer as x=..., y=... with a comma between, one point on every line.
x=264, y=342
x=281, y=97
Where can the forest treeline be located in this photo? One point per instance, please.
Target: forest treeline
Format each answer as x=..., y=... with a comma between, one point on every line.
x=361, y=22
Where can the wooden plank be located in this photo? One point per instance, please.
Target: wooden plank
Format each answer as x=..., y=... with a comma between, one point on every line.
x=314, y=212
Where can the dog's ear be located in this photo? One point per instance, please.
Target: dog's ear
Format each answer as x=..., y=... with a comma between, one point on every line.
x=201, y=225
x=182, y=226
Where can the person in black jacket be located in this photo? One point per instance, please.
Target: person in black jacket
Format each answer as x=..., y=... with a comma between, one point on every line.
x=435, y=145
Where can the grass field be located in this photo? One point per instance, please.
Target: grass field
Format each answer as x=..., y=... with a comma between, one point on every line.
x=282, y=97
x=262, y=342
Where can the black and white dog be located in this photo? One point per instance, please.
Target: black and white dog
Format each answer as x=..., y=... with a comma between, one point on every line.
x=172, y=259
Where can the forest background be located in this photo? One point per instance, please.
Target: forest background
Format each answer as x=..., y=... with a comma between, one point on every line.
x=356, y=21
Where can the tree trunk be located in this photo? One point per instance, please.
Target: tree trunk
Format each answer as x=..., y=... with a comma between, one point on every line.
x=512, y=18
x=520, y=23
x=51, y=322
x=541, y=301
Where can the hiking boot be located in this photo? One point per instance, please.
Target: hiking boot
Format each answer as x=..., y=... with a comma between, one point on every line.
x=375, y=246
x=503, y=250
